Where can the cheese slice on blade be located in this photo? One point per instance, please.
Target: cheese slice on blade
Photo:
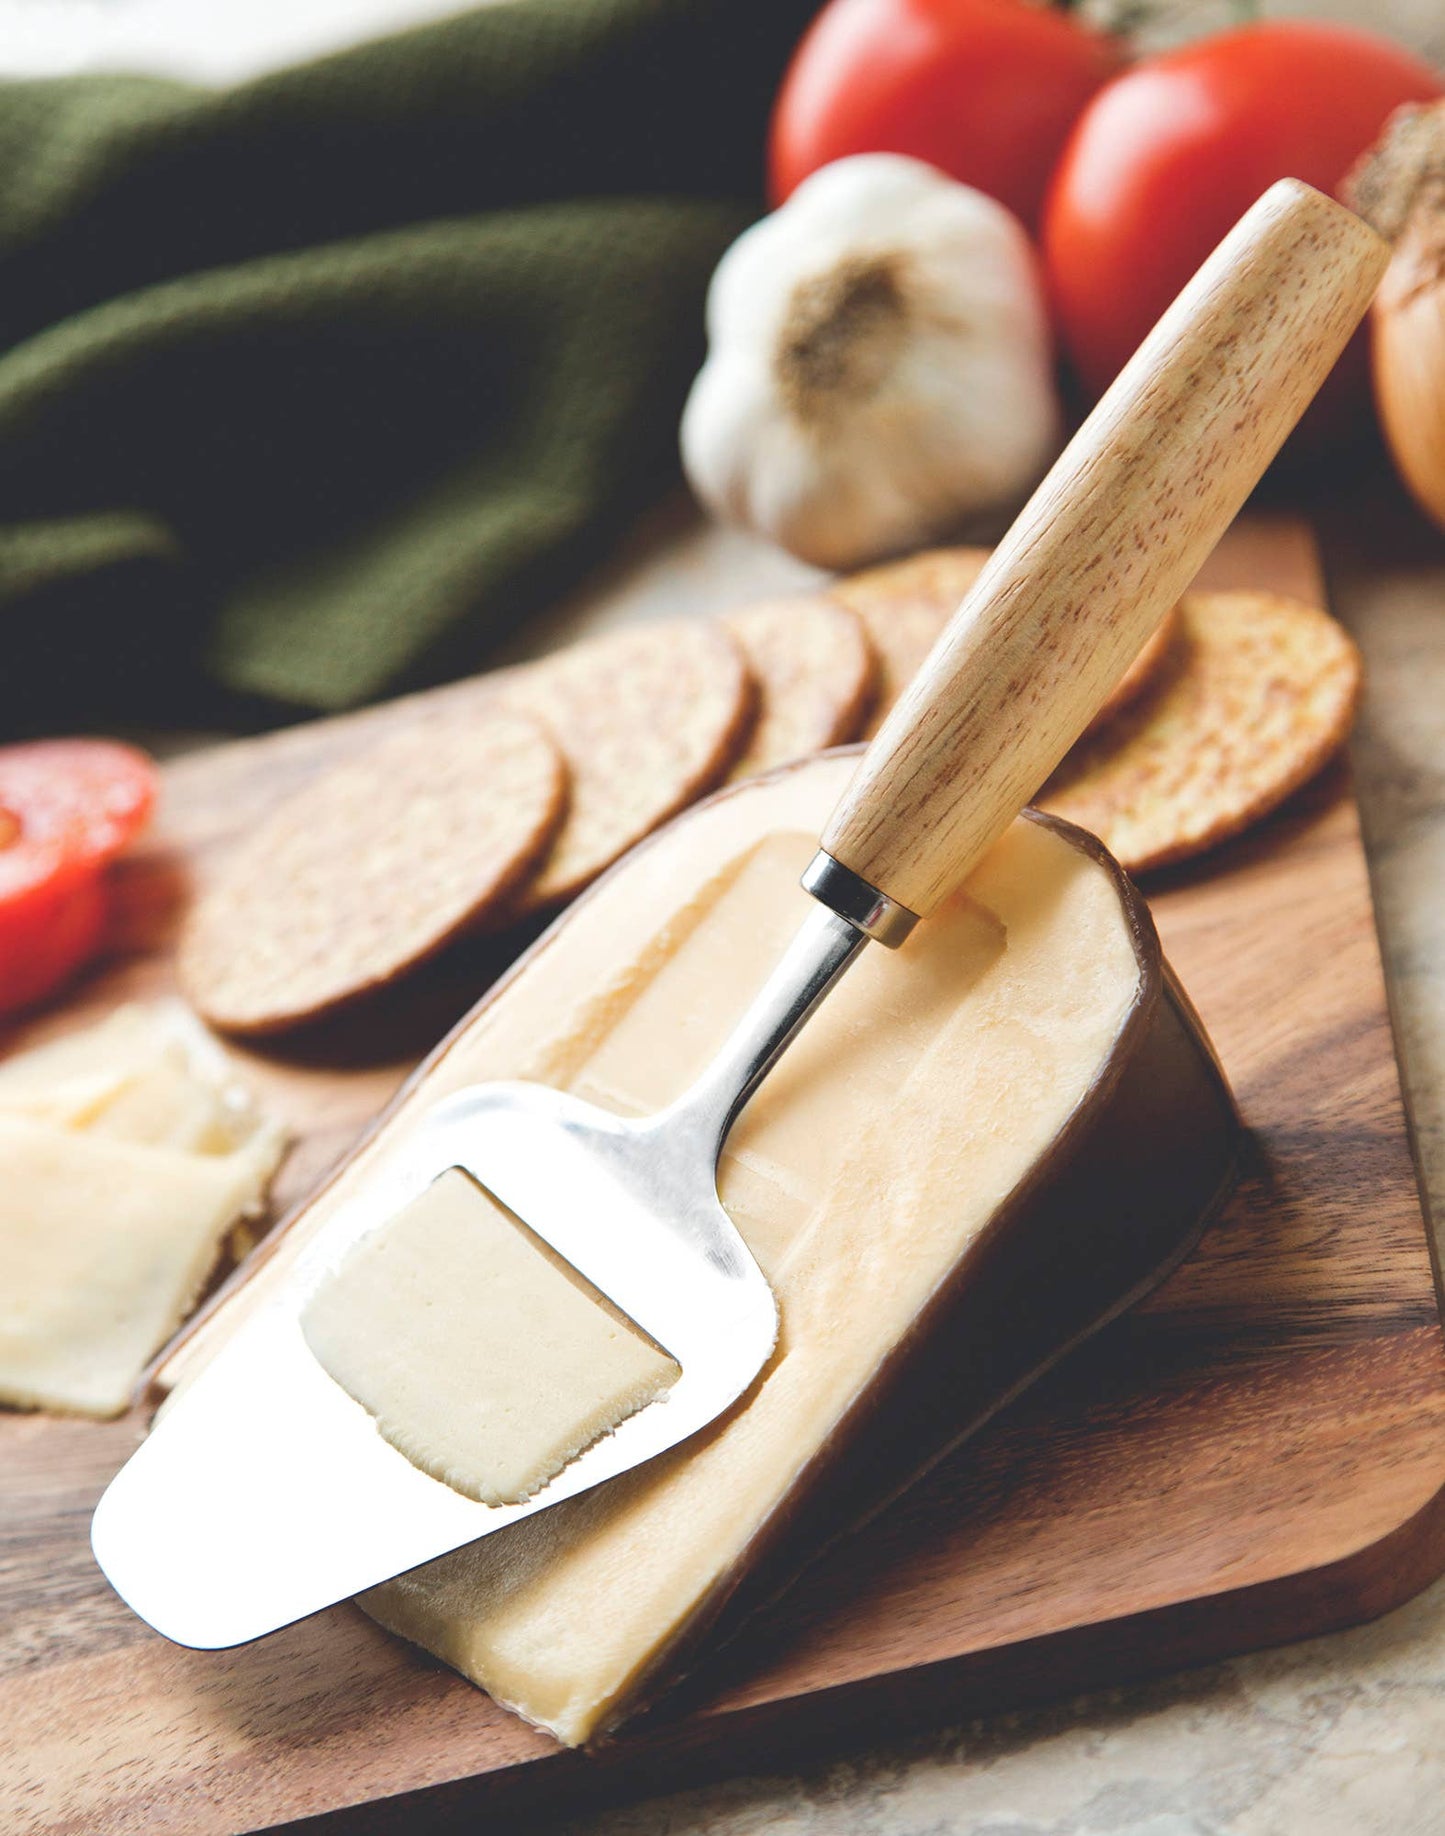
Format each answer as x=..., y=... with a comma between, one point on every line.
x=485, y=1359
x=978, y=1148
x=127, y=1153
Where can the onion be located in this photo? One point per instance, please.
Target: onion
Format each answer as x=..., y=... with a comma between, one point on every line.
x=1399, y=188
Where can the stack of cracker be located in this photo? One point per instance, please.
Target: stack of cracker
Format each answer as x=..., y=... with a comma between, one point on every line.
x=516, y=792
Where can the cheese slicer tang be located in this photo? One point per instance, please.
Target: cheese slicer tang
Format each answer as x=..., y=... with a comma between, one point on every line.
x=264, y=1492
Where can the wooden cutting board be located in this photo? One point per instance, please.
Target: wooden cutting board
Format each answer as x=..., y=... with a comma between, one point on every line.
x=1256, y=1453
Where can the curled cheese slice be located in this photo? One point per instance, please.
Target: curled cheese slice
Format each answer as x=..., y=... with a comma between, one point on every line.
x=127, y=1153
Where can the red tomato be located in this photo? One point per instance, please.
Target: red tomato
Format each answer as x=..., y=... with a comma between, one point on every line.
x=986, y=90
x=67, y=807
x=1166, y=158
x=60, y=930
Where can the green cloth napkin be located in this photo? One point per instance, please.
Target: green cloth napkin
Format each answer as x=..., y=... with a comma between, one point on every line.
x=312, y=387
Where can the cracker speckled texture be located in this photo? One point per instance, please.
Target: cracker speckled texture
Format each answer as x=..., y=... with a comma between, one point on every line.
x=815, y=672
x=904, y=605
x=648, y=718
x=1256, y=694
x=1140, y=673
x=372, y=867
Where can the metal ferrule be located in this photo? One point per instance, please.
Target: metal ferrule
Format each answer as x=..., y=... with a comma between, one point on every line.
x=865, y=908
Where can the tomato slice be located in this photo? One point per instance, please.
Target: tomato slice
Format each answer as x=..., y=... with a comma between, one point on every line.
x=59, y=930
x=76, y=800
x=67, y=807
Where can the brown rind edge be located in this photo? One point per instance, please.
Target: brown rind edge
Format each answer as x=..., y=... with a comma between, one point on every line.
x=1154, y=1145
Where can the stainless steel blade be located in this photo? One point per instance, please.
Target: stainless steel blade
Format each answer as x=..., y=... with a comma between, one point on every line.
x=264, y=1492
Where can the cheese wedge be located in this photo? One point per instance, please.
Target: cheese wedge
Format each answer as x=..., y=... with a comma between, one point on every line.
x=916, y=1100
x=127, y=1153
x=977, y=1148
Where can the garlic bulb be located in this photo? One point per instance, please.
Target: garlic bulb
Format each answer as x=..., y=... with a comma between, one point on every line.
x=879, y=370
x=1399, y=187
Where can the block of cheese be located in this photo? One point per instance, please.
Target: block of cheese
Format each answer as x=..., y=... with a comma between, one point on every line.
x=979, y=1148
x=484, y=1358
x=127, y=1153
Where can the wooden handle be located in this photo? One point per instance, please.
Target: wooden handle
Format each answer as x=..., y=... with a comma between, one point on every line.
x=1106, y=544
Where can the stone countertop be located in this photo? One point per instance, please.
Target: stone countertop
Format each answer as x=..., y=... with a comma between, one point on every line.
x=1338, y=1736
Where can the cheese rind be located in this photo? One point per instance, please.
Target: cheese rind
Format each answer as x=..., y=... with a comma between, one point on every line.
x=484, y=1361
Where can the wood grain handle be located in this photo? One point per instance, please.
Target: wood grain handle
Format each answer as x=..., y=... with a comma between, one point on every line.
x=1106, y=544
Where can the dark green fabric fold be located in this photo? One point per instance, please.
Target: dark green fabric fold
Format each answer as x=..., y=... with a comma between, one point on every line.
x=312, y=387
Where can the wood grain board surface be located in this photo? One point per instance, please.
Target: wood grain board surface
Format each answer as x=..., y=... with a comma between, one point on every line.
x=1256, y=1453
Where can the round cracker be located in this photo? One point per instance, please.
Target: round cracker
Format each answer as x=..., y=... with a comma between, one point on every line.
x=1140, y=673
x=648, y=718
x=1258, y=692
x=905, y=605
x=815, y=672
x=374, y=866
